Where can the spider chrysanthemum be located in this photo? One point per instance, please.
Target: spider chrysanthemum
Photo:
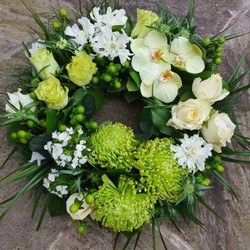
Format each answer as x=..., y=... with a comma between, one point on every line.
x=113, y=146
x=122, y=208
x=159, y=171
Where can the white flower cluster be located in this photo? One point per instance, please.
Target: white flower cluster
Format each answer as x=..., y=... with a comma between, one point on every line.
x=192, y=152
x=68, y=148
x=59, y=190
x=103, y=40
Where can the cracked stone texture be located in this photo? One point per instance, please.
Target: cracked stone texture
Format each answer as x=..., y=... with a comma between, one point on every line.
x=17, y=229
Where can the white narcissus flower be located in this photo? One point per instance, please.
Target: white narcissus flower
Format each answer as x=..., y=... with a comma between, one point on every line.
x=190, y=114
x=192, y=152
x=210, y=89
x=185, y=56
x=83, y=211
x=218, y=130
x=18, y=100
x=37, y=157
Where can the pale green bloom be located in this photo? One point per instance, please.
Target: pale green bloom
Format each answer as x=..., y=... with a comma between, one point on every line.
x=160, y=172
x=81, y=69
x=122, y=208
x=113, y=146
x=185, y=56
x=44, y=62
x=144, y=18
x=52, y=93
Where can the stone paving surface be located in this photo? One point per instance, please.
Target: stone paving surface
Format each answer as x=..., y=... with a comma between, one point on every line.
x=17, y=229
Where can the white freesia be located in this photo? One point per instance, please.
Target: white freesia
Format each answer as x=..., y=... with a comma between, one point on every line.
x=18, y=100
x=192, y=152
x=112, y=44
x=218, y=130
x=190, y=114
x=84, y=210
x=37, y=157
x=210, y=89
x=185, y=56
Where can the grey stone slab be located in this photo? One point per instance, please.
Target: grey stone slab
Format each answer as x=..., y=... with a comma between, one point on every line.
x=17, y=229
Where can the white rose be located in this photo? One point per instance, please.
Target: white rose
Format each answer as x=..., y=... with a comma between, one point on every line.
x=218, y=130
x=190, y=114
x=84, y=210
x=18, y=100
x=209, y=89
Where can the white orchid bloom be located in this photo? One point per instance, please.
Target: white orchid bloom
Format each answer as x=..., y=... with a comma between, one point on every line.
x=185, y=56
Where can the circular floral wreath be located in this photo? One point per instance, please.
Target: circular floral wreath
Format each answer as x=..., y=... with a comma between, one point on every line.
x=122, y=179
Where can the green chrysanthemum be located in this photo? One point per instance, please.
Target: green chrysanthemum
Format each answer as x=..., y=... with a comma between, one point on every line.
x=122, y=208
x=159, y=172
x=113, y=146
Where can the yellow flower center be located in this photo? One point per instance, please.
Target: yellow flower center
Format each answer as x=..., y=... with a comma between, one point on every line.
x=192, y=114
x=166, y=75
x=180, y=59
x=157, y=54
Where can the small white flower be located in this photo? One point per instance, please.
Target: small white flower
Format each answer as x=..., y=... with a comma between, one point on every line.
x=46, y=183
x=112, y=44
x=52, y=175
x=192, y=152
x=56, y=150
x=48, y=146
x=111, y=18
x=60, y=191
x=83, y=160
x=37, y=45
x=70, y=131
x=37, y=157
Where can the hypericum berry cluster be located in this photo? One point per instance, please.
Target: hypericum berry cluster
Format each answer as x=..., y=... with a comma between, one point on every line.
x=69, y=148
x=214, y=50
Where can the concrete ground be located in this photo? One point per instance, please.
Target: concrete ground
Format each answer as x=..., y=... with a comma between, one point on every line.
x=17, y=229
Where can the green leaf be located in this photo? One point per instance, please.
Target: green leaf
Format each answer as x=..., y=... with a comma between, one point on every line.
x=57, y=206
x=37, y=143
x=52, y=119
x=136, y=77
x=45, y=207
x=131, y=96
x=98, y=96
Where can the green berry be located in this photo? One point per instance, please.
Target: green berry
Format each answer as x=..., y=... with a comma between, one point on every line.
x=207, y=167
x=217, y=158
x=218, y=49
x=32, y=95
x=78, y=126
x=63, y=13
x=106, y=77
x=93, y=125
x=112, y=69
x=206, y=182
x=220, y=169
x=95, y=79
x=81, y=228
x=13, y=135
x=89, y=199
x=221, y=40
x=62, y=128
x=74, y=208
x=217, y=60
x=21, y=133
x=56, y=25
x=117, y=85
x=79, y=117
x=206, y=41
x=23, y=140
x=126, y=64
x=80, y=109
x=30, y=123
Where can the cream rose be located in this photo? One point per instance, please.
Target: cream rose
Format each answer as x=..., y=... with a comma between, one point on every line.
x=144, y=18
x=190, y=114
x=209, y=89
x=84, y=210
x=52, y=93
x=44, y=62
x=81, y=69
x=218, y=130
